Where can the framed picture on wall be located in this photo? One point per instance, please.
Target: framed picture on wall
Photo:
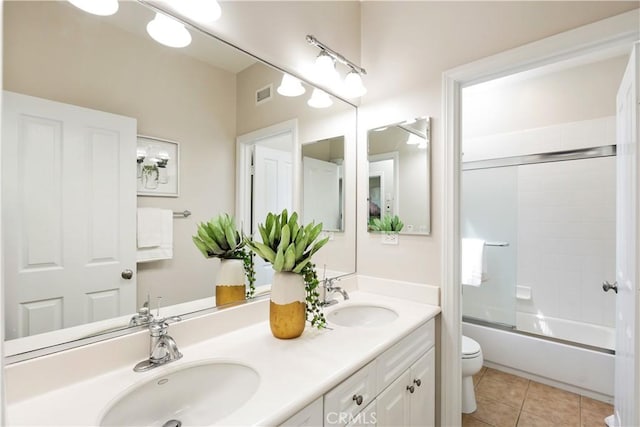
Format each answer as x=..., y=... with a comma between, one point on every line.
x=158, y=167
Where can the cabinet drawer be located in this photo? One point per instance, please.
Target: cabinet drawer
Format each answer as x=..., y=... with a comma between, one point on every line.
x=399, y=357
x=351, y=396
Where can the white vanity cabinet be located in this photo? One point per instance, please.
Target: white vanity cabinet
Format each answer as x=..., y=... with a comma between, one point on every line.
x=310, y=416
x=348, y=399
x=410, y=399
x=396, y=389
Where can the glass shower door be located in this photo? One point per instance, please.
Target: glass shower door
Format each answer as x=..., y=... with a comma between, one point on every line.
x=489, y=212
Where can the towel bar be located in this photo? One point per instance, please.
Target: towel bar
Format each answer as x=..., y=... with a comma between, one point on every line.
x=183, y=214
x=500, y=244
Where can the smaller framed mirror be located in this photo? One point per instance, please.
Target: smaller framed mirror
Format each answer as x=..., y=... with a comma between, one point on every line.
x=400, y=177
x=323, y=183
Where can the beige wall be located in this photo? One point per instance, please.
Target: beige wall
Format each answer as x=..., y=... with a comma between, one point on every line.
x=578, y=93
x=313, y=125
x=406, y=46
x=64, y=56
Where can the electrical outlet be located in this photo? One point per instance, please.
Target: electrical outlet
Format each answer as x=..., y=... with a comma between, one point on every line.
x=390, y=238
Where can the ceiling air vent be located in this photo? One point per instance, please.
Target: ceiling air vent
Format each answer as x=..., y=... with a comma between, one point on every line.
x=264, y=95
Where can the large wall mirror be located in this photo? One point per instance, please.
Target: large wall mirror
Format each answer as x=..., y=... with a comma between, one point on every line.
x=209, y=105
x=399, y=176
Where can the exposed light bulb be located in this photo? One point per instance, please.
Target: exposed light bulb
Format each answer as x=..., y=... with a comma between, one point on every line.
x=290, y=86
x=97, y=7
x=353, y=87
x=168, y=31
x=203, y=11
x=319, y=99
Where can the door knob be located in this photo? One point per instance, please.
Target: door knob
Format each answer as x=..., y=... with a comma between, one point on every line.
x=606, y=286
x=127, y=274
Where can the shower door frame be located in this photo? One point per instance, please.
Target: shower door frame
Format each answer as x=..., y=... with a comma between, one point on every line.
x=618, y=32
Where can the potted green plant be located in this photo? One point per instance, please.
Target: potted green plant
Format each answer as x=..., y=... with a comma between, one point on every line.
x=219, y=238
x=289, y=246
x=388, y=224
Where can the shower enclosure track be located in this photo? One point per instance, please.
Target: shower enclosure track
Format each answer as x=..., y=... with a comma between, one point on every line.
x=553, y=156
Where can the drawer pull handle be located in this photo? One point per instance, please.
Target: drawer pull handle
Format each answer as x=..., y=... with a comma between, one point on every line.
x=417, y=382
x=358, y=399
x=411, y=388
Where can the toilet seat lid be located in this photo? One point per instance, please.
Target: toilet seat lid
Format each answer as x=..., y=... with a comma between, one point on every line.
x=469, y=346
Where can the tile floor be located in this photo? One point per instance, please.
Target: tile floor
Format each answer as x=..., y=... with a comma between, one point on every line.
x=505, y=400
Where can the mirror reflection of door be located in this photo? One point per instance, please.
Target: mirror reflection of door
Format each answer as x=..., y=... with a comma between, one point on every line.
x=321, y=194
x=69, y=223
x=383, y=185
x=272, y=188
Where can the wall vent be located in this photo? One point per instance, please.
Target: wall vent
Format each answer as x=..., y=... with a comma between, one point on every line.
x=264, y=94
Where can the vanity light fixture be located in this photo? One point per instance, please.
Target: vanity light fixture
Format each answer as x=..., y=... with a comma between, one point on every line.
x=168, y=31
x=325, y=66
x=202, y=11
x=290, y=86
x=97, y=7
x=319, y=99
x=353, y=87
x=324, y=70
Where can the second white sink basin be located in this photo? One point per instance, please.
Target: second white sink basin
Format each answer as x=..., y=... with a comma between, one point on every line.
x=194, y=395
x=368, y=316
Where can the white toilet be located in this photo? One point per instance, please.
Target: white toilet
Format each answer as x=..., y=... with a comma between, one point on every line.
x=471, y=364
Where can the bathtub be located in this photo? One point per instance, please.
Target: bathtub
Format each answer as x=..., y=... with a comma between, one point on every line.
x=568, y=330
x=580, y=370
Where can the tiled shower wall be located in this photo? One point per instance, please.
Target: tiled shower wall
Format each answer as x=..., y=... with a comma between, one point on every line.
x=565, y=244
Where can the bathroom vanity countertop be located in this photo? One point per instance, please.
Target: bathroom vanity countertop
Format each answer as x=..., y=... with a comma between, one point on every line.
x=293, y=373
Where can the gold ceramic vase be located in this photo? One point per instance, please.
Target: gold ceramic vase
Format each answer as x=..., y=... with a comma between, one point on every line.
x=230, y=286
x=287, y=309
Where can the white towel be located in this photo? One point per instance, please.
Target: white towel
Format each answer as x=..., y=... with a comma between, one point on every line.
x=149, y=227
x=472, y=261
x=155, y=234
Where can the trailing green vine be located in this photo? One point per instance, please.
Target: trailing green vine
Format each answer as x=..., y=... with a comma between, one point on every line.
x=250, y=271
x=314, y=306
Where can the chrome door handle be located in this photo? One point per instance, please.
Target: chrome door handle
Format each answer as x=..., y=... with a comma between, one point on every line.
x=606, y=286
x=127, y=274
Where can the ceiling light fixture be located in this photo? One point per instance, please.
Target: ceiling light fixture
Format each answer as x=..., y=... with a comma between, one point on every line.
x=202, y=11
x=352, y=87
x=290, y=86
x=319, y=99
x=97, y=7
x=168, y=31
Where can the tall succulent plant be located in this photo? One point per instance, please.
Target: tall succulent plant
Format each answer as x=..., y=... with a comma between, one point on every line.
x=387, y=223
x=219, y=238
x=287, y=245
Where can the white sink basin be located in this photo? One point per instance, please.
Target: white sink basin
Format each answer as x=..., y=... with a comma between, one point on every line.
x=368, y=316
x=194, y=395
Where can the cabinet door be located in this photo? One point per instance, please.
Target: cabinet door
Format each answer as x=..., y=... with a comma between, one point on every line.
x=310, y=416
x=366, y=418
x=351, y=396
x=393, y=403
x=422, y=406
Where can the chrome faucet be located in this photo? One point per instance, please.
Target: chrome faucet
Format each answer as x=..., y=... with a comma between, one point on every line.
x=163, y=349
x=331, y=288
x=143, y=316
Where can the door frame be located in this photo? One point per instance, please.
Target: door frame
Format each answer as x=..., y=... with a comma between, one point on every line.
x=244, y=150
x=611, y=33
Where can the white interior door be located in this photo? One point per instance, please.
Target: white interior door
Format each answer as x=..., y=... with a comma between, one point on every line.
x=627, y=366
x=321, y=193
x=272, y=192
x=69, y=214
